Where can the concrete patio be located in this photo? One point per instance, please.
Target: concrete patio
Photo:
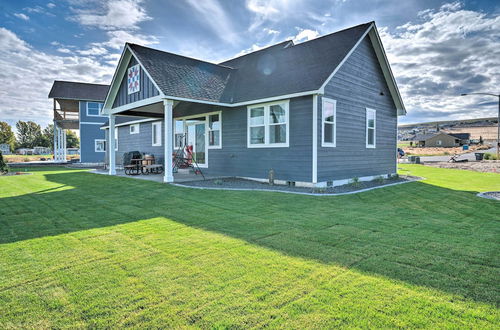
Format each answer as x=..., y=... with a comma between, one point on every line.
x=178, y=177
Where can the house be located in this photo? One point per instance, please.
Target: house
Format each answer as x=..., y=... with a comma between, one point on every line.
x=24, y=151
x=41, y=151
x=77, y=106
x=442, y=139
x=5, y=148
x=318, y=113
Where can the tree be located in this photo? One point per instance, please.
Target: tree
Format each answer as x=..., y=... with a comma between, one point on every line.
x=7, y=135
x=29, y=134
x=48, y=137
x=3, y=167
x=72, y=141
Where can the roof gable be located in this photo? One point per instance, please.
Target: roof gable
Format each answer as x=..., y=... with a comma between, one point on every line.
x=281, y=70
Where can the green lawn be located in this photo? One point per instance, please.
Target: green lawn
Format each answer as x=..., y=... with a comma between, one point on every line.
x=92, y=251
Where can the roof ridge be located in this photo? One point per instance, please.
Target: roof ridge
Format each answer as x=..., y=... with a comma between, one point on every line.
x=179, y=55
x=80, y=82
x=258, y=50
x=336, y=32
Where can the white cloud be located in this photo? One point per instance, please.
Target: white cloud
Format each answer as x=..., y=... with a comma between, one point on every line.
x=22, y=16
x=449, y=51
x=215, y=17
x=112, y=14
x=51, y=5
x=93, y=51
x=305, y=35
x=64, y=50
x=27, y=75
x=117, y=39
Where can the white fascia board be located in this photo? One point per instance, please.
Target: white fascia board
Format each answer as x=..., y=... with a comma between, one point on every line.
x=386, y=70
x=322, y=88
x=113, y=88
x=141, y=103
x=146, y=71
x=134, y=122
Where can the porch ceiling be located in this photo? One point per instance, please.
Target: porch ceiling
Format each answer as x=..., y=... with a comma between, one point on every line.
x=68, y=124
x=154, y=110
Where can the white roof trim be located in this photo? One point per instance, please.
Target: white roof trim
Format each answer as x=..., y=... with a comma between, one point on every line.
x=134, y=122
x=371, y=31
x=118, y=77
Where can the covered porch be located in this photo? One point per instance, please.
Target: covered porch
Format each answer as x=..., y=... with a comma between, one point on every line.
x=66, y=116
x=181, y=137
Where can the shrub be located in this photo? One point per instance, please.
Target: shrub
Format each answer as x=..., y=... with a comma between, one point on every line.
x=489, y=156
x=379, y=179
x=355, y=182
x=218, y=182
x=394, y=176
x=3, y=166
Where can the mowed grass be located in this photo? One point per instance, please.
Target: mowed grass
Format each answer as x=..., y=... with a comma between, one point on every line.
x=80, y=250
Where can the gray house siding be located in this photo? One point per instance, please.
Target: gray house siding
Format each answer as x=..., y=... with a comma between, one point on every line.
x=147, y=89
x=137, y=142
x=357, y=85
x=293, y=163
x=89, y=132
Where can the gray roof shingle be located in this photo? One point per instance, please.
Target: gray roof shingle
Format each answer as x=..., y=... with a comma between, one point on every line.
x=281, y=69
x=78, y=91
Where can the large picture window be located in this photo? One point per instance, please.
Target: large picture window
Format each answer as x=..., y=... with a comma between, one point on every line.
x=94, y=109
x=371, y=127
x=268, y=125
x=329, y=119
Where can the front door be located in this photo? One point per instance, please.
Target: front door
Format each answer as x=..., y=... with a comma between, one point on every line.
x=196, y=140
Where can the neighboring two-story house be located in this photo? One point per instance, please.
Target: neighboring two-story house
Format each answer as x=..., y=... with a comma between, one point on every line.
x=77, y=106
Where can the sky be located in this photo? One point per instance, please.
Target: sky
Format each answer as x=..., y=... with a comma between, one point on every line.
x=437, y=49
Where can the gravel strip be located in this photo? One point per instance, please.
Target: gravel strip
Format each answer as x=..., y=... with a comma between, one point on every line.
x=490, y=195
x=244, y=184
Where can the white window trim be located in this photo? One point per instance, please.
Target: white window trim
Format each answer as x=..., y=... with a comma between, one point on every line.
x=206, y=114
x=116, y=138
x=323, y=143
x=95, y=145
x=374, y=145
x=99, y=110
x=208, y=130
x=158, y=129
x=137, y=128
x=266, y=125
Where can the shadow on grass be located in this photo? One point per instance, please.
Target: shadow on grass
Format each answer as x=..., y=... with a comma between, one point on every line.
x=417, y=233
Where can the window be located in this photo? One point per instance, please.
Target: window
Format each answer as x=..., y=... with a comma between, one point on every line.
x=178, y=133
x=116, y=138
x=214, y=131
x=134, y=129
x=329, y=119
x=100, y=146
x=371, y=126
x=268, y=125
x=94, y=109
x=156, y=134
x=439, y=142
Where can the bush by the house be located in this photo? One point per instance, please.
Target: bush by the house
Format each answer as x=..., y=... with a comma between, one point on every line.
x=3, y=165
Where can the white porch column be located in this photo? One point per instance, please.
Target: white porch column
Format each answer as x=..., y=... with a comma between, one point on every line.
x=64, y=145
x=55, y=142
x=111, y=146
x=168, y=134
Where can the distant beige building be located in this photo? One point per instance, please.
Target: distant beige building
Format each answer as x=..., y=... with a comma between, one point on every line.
x=442, y=139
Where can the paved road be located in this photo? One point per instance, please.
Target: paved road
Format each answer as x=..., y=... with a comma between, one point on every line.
x=469, y=156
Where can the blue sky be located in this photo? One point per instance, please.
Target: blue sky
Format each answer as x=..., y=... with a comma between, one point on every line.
x=437, y=49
